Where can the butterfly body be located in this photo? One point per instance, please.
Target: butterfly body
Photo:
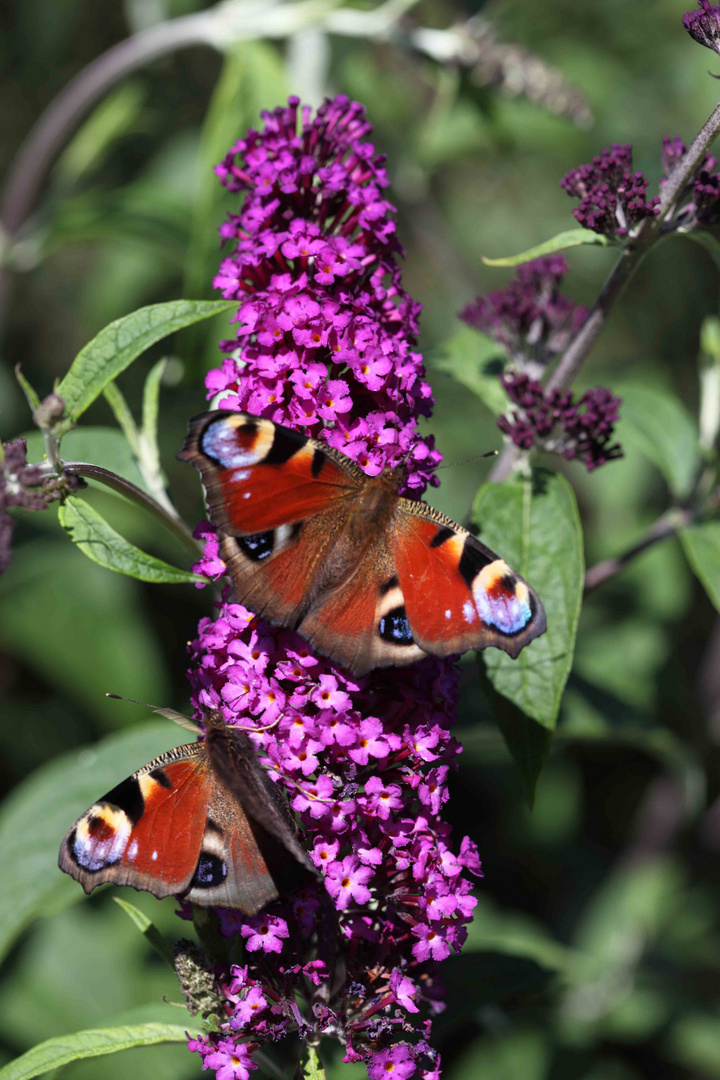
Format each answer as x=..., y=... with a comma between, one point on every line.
x=202, y=821
x=367, y=576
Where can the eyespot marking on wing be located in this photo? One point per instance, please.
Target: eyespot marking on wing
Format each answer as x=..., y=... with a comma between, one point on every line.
x=235, y=443
x=285, y=444
x=395, y=628
x=210, y=871
x=387, y=586
x=257, y=546
x=502, y=600
x=100, y=837
x=318, y=463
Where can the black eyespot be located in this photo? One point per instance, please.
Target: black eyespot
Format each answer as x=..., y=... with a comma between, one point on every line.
x=257, y=546
x=472, y=561
x=509, y=581
x=209, y=871
x=395, y=628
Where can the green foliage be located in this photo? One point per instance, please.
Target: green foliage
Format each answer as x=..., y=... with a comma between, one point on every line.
x=54, y=1053
x=564, y=240
x=594, y=953
x=534, y=522
x=115, y=347
x=39, y=813
x=664, y=430
x=89, y=531
x=475, y=361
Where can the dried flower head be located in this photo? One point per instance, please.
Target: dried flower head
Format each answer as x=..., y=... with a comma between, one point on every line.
x=552, y=420
x=530, y=317
x=704, y=25
x=612, y=197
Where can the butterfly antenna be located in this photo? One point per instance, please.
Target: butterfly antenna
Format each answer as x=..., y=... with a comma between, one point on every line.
x=178, y=718
x=466, y=461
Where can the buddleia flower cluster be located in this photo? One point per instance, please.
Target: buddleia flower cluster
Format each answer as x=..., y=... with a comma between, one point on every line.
x=326, y=344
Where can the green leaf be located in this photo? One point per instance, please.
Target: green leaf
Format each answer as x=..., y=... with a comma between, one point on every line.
x=110, y=119
x=701, y=544
x=57, y=607
x=311, y=1066
x=694, y=1043
x=115, y=347
x=475, y=361
x=709, y=372
x=707, y=239
x=664, y=430
x=121, y=411
x=151, y=408
x=94, y=1042
x=30, y=394
x=38, y=813
x=533, y=522
x=569, y=239
x=148, y=929
x=101, y=543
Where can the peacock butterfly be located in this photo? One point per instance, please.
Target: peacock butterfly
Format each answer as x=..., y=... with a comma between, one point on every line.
x=369, y=578
x=203, y=822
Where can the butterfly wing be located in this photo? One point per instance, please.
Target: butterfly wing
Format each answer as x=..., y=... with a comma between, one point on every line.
x=175, y=828
x=274, y=495
x=148, y=831
x=362, y=624
x=458, y=594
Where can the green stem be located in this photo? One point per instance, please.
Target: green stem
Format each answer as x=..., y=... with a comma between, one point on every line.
x=137, y=495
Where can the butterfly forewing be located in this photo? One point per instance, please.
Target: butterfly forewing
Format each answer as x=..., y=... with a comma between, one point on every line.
x=147, y=832
x=181, y=826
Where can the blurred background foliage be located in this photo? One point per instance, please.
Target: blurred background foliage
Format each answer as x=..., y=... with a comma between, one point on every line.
x=595, y=951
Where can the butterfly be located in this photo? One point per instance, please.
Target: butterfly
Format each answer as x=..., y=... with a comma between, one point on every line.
x=367, y=577
x=203, y=822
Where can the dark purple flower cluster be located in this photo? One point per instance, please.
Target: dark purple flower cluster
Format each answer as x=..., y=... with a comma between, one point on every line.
x=699, y=202
x=553, y=421
x=530, y=317
x=326, y=334
x=23, y=485
x=704, y=25
x=612, y=196
x=327, y=344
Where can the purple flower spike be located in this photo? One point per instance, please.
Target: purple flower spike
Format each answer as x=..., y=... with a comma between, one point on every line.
x=530, y=317
x=553, y=421
x=699, y=202
x=326, y=345
x=704, y=25
x=612, y=196
x=326, y=334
